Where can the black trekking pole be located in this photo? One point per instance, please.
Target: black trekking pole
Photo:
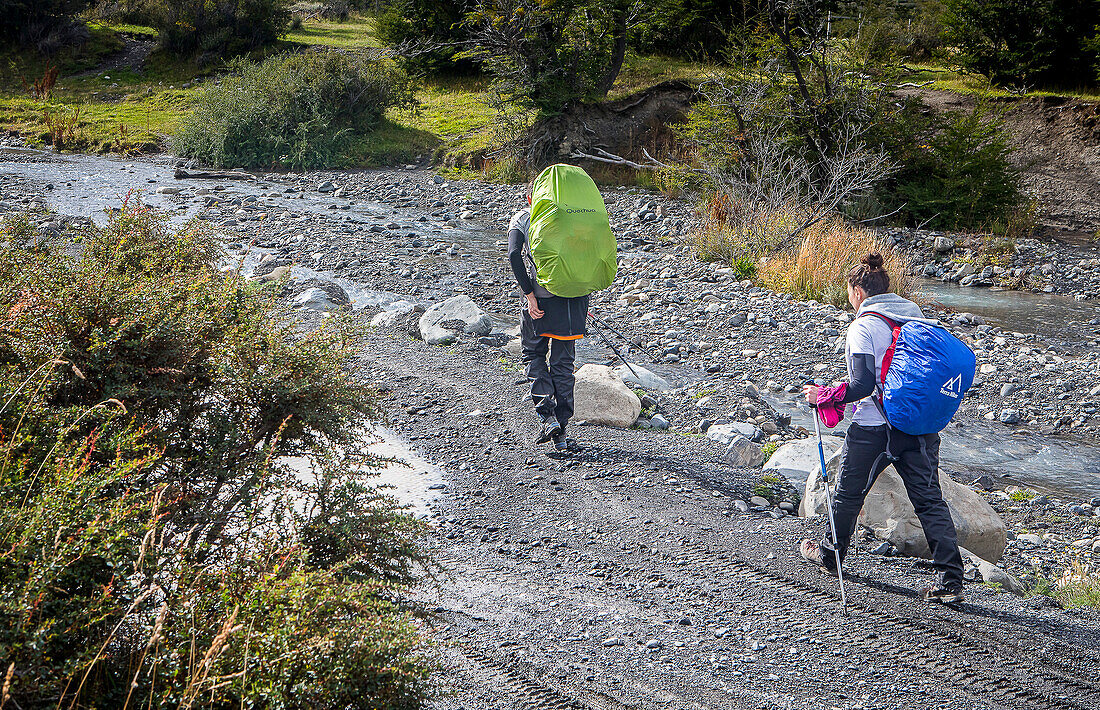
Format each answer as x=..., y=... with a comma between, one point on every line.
x=614, y=349
x=605, y=324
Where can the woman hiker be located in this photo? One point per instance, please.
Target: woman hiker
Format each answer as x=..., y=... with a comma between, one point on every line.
x=865, y=446
x=550, y=327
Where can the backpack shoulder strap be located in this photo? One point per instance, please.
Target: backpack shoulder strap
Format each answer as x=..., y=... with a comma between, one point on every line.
x=888, y=356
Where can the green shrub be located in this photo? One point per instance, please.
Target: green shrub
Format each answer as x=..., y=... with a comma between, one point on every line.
x=550, y=55
x=688, y=28
x=294, y=110
x=43, y=25
x=431, y=29
x=954, y=170
x=158, y=549
x=218, y=28
x=1026, y=42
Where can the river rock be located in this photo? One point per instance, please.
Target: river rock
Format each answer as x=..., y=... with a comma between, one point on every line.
x=603, y=398
x=943, y=244
x=991, y=573
x=315, y=299
x=743, y=453
x=335, y=292
x=724, y=434
x=392, y=314
x=645, y=379
x=441, y=323
x=889, y=514
x=797, y=460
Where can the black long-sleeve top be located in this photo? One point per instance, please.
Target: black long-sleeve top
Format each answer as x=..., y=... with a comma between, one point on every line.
x=517, y=240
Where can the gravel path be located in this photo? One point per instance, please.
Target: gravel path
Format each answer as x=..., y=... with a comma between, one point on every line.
x=631, y=574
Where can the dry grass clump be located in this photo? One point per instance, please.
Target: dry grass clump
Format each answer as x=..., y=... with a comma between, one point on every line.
x=818, y=267
x=738, y=233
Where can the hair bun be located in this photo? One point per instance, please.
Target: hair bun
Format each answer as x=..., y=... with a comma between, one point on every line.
x=873, y=260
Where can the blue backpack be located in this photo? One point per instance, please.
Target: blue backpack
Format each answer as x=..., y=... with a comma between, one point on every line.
x=925, y=374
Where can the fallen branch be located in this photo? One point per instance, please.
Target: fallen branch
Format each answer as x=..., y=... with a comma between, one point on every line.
x=912, y=85
x=182, y=174
x=604, y=157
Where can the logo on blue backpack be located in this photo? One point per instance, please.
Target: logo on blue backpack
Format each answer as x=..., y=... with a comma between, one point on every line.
x=953, y=387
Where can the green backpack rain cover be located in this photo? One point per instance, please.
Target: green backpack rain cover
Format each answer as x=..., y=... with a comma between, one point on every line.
x=570, y=236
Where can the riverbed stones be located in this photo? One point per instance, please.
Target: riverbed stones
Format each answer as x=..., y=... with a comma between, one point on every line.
x=603, y=398
x=741, y=452
x=977, y=568
x=890, y=516
x=441, y=324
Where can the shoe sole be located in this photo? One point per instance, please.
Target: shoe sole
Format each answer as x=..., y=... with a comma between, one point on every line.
x=945, y=599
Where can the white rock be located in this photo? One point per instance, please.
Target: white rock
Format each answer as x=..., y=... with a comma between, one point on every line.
x=441, y=323
x=726, y=433
x=603, y=398
x=797, y=460
x=645, y=379
x=889, y=514
x=315, y=299
x=164, y=190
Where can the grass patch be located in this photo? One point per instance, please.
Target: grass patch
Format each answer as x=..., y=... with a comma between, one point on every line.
x=1022, y=494
x=818, y=267
x=355, y=33
x=967, y=83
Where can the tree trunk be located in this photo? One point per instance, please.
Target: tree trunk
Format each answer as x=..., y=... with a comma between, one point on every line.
x=618, y=53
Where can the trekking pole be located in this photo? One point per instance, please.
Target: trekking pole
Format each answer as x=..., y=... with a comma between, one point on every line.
x=614, y=349
x=829, y=503
x=626, y=340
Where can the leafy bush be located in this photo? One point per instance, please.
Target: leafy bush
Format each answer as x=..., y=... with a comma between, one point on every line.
x=159, y=550
x=43, y=25
x=1026, y=42
x=688, y=28
x=294, y=110
x=954, y=170
x=549, y=55
x=818, y=267
x=218, y=28
x=429, y=33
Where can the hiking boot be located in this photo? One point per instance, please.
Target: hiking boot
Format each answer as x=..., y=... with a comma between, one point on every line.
x=564, y=445
x=941, y=594
x=550, y=430
x=815, y=553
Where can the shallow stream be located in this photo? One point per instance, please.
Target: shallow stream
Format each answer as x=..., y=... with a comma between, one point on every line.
x=91, y=185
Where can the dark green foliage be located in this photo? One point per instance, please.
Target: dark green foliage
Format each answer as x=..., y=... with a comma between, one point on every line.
x=154, y=550
x=690, y=28
x=295, y=110
x=884, y=31
x=550, y=54
x=953, y=172
x=1026, y=42
x=430, y=33
x=218, y=28
x=43, y=25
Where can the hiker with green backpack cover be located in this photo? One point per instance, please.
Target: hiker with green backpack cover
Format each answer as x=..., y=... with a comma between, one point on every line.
x=560, y=249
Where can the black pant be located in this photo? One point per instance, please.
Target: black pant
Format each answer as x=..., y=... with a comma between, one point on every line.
x=551, y=383
x=917, y=464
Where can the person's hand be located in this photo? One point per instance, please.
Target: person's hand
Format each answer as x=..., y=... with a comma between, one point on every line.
x=811, y=392
x=533, y=307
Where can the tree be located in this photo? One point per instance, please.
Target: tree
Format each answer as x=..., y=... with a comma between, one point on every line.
x=550, y=54
x=1026, y=42
x=428, y=34
x=43, y=25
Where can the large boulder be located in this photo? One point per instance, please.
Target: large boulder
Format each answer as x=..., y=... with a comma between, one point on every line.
x=441, y=324
x=890, y=516
x=316, y=299
x=641, y=377
x=798, y=460
x=392, y=313
x=601, y=397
